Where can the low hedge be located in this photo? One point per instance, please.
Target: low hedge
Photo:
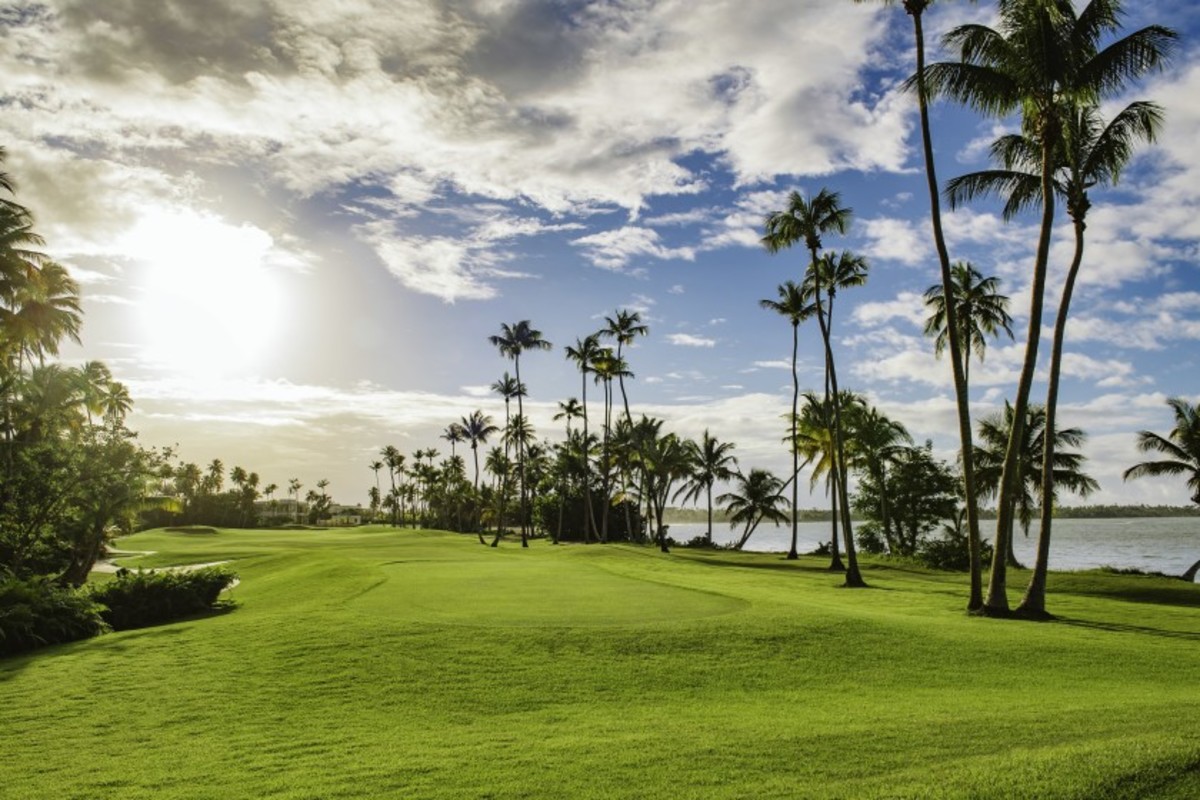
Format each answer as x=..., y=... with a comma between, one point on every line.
x=141, y=598
x=38, y=612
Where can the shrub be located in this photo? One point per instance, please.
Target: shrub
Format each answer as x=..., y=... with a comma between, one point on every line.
x=141, y=598
x=951, y=553
x=37, y=612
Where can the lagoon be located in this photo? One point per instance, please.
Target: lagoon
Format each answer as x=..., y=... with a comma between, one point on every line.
x=1153, y=544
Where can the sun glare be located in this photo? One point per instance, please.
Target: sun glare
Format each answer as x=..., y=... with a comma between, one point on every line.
x=210, y=304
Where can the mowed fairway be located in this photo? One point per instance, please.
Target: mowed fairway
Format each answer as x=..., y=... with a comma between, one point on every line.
x=383, y=663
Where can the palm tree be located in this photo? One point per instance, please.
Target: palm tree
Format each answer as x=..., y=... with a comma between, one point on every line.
x=453, y=434
x=1182, y=450
x=507, y=387
x=1091, y=153
x=794, y=305
x=511, y=342
x=477, y=428
x=994, y=434
x=711, y=461
x=805, y=221
x=394, y=461
x=584, y=353
x=980, y=309
x=815, y=443
x=294, y=487
x=876, y=441
x=625, y=328
x=605, y=367
x=375, y=466
x=756, y=497
x=916, y=10
x=1045, y=60
x=665, y=460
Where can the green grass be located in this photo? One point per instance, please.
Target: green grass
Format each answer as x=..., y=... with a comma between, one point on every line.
x=380, y=663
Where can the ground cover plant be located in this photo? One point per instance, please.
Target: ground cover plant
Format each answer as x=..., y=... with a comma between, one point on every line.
x=379, y=662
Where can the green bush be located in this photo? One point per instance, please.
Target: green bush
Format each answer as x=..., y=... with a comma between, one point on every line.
x=951, y=553
x=137, y=599
x=37, y=612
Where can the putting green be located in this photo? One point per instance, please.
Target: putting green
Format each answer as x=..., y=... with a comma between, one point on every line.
x=522, y=593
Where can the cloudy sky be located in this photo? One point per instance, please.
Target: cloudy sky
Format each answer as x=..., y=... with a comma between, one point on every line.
x=296, y=222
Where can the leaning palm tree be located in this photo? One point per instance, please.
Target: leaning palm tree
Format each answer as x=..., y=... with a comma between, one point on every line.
x=806, y=221
x=1045, y=59
x=710, y=461
x=1181, y=446
x=916, y=10
x=755, y=497
x=1091, y=153
x=796, y=307
x=511, y=342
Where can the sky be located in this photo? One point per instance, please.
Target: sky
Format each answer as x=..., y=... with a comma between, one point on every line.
x=295, y=224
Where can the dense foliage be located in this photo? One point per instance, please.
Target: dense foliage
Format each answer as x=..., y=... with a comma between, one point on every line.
x=135, y=599
x=35, y=612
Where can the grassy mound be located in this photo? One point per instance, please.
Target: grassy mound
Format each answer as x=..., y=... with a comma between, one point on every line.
x=384, y=663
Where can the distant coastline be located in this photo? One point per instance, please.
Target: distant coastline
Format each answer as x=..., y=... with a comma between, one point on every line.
x=1099, y=511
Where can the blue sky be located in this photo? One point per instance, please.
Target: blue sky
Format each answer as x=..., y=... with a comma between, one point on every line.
x=295, y=224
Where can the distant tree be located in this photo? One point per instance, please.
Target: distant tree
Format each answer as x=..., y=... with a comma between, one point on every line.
x=755, y=497
x=1181, y=446
x=921, y=493
x=709, y=461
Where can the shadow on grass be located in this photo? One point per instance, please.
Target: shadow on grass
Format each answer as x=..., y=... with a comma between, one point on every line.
x=1118, y=627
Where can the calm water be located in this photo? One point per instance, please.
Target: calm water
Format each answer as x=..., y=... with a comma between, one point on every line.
x=1163, y=544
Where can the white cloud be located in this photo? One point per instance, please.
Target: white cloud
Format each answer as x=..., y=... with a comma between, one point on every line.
x=688, y=340
x=905, y=241
x=614, y=249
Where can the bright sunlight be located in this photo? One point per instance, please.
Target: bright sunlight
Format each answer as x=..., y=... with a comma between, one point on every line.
x=211, y=304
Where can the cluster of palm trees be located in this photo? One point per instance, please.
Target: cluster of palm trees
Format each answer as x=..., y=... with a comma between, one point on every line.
x=1054, y=65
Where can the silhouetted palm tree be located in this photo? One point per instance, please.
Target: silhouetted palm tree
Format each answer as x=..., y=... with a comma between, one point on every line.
x=583, y=353
x=511, y=342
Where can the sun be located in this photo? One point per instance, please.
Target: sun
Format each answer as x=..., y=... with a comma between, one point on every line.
x=209, y=304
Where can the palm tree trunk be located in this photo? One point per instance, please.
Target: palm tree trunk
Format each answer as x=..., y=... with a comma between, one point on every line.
x=589, y=523
x=957, y=361
x=996, y=603
x=793, y=553
x=606, y=466
x=521, y=450
x=1190, y=575
x=708, y=494
x=1033, y=604
x=854, y=578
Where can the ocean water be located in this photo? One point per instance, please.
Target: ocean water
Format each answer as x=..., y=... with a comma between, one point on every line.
x=1161, y=544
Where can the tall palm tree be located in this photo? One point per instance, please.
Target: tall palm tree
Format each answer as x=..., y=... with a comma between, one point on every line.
x=980, y=310
x=793, y=304
x=755, y=497
x=393, y=459
x=625, y=327
x=605, y=367
x=665, y=459
x=916, y=10
x=1091, y=153
x=294, y=487
x=1181, y=446
x=806, y=221
x=584, y=353
x=1044, y=60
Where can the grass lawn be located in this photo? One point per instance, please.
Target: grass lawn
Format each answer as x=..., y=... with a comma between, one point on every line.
x=382, y=663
